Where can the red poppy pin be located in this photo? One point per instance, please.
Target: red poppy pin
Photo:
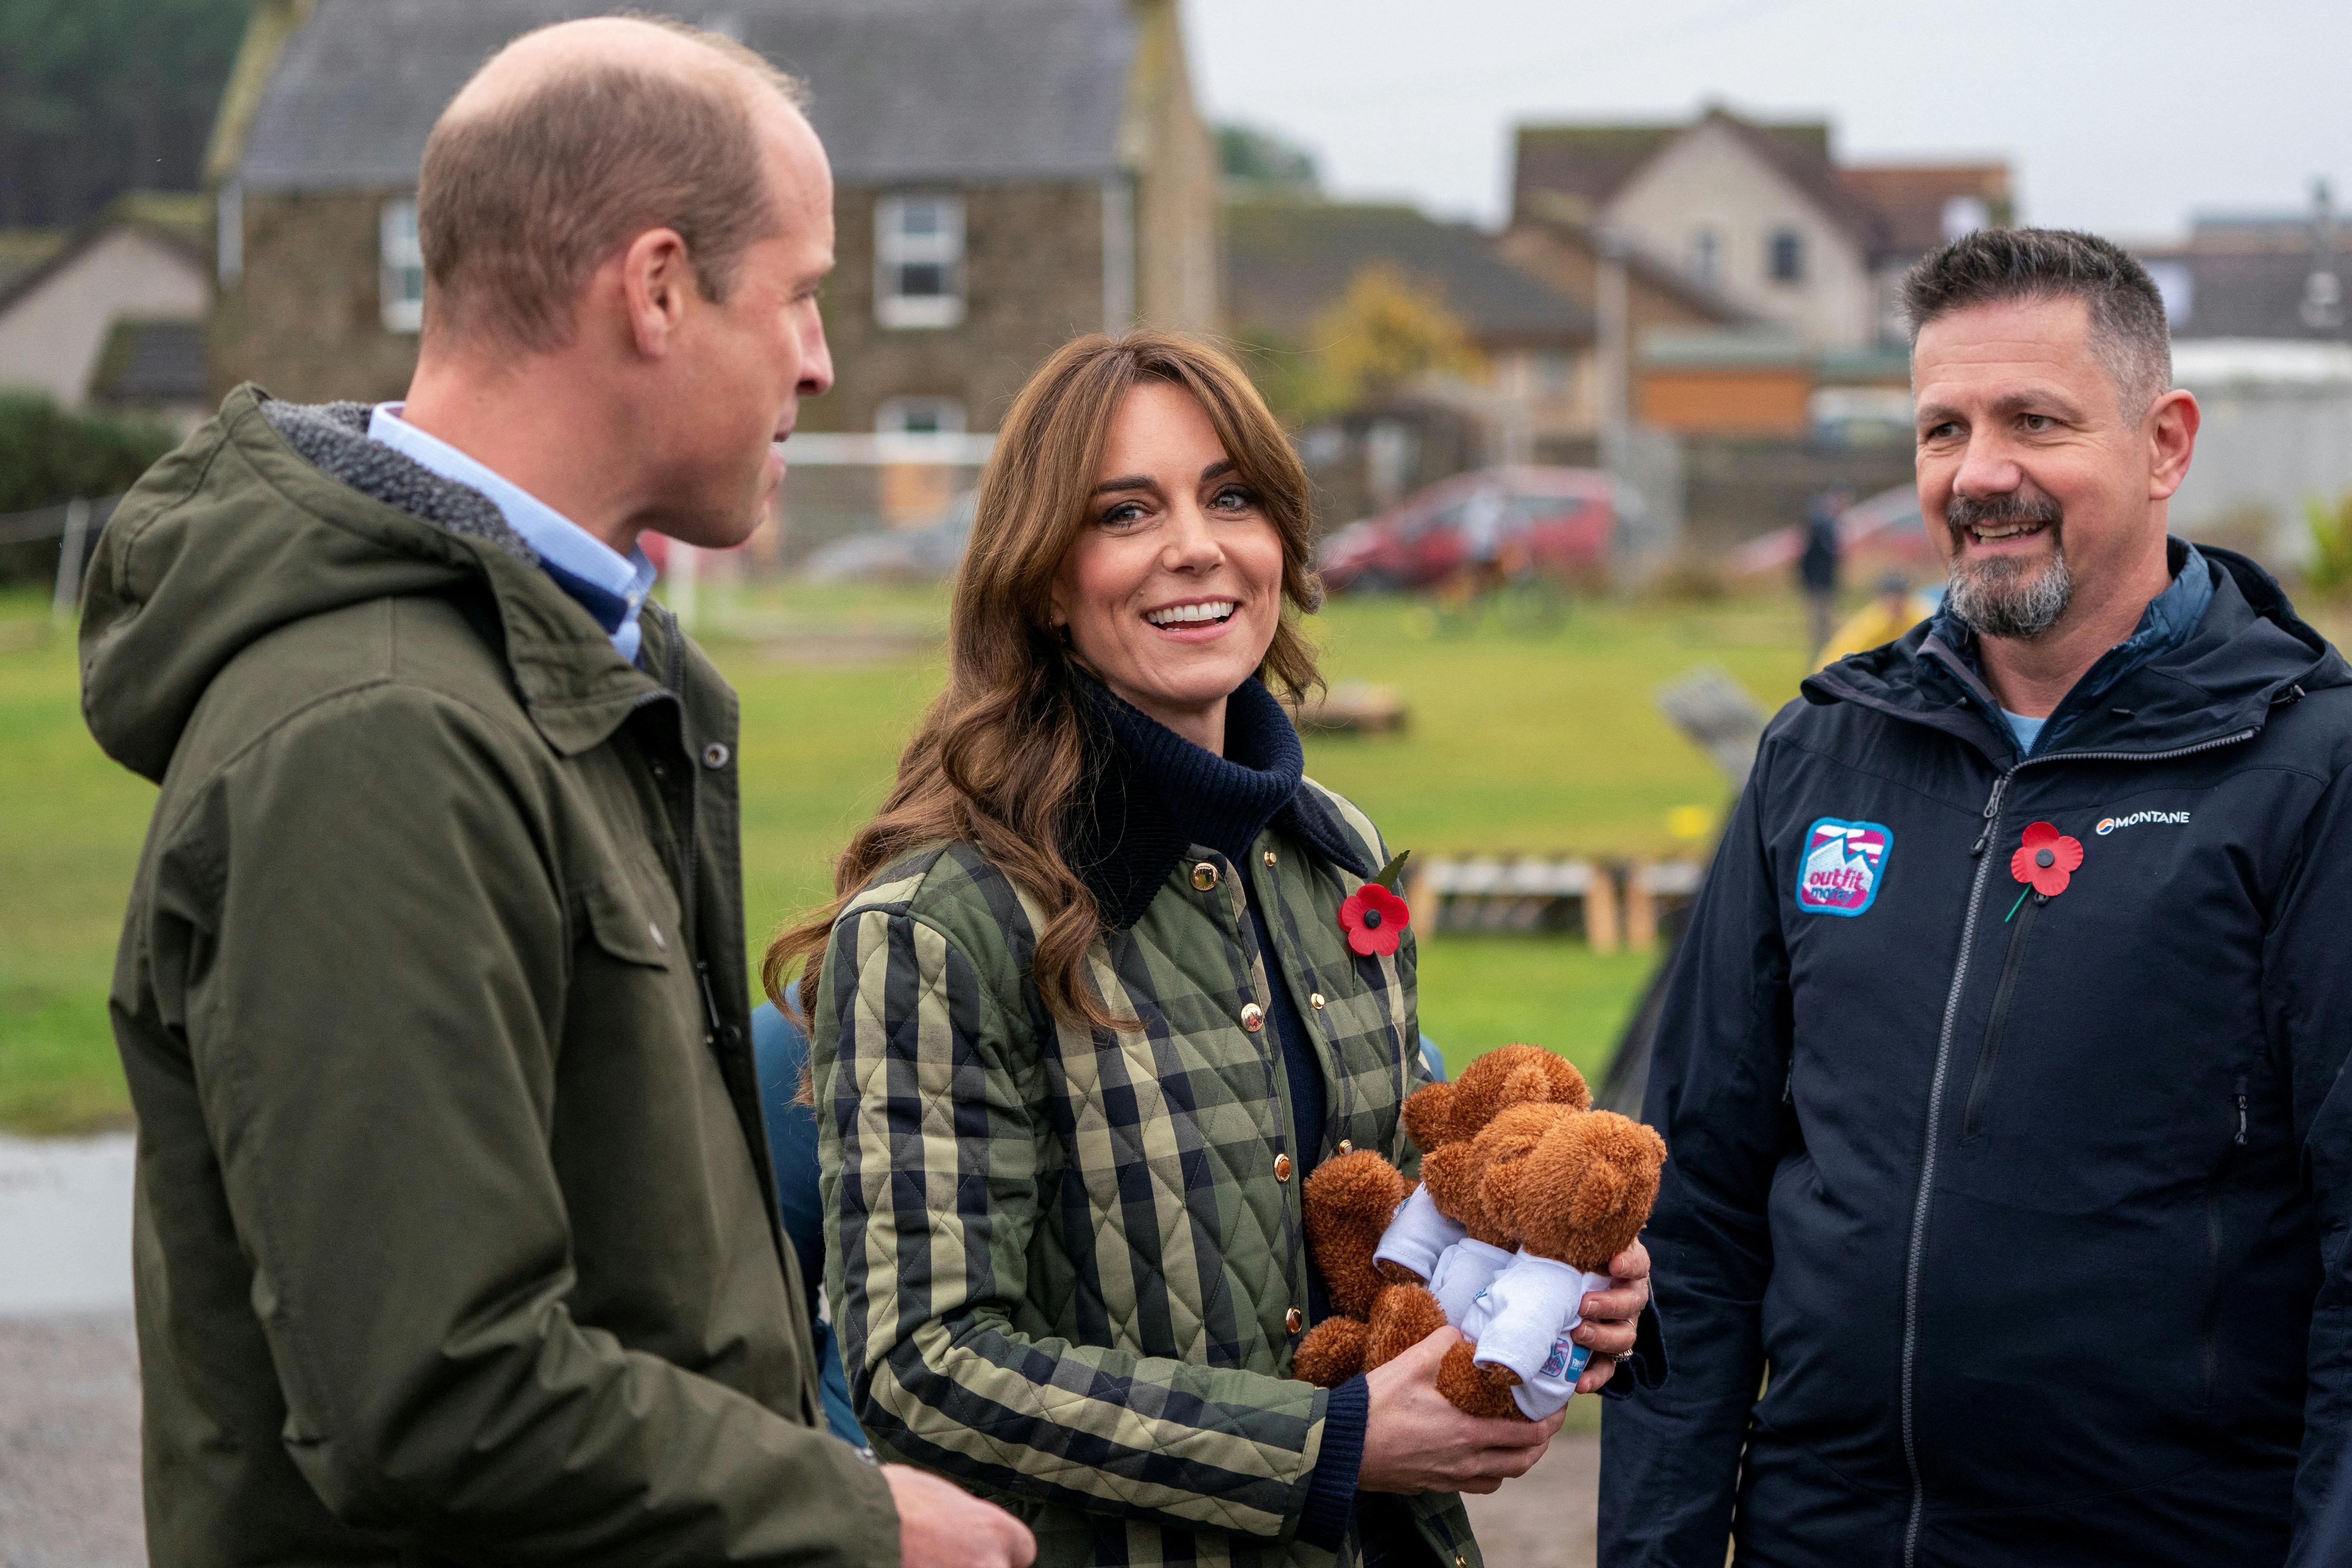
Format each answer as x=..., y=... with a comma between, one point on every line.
x=1373, y=915
x=2045, y=861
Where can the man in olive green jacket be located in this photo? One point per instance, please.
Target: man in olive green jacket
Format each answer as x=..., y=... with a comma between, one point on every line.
x=455, y=1235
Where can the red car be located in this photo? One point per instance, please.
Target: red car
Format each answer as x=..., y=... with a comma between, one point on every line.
x=1560, y=522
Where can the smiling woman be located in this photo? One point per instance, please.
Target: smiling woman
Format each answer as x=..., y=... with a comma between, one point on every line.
x=1086, y=1015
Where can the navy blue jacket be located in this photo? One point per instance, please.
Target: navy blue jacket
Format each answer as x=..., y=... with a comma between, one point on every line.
x=2026, y=1212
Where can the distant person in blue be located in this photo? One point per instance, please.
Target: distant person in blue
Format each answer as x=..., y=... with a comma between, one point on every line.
x=1817, y=564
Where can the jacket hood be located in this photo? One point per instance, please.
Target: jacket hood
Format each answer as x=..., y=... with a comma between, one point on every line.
x=2250, y=655
x=274, y=512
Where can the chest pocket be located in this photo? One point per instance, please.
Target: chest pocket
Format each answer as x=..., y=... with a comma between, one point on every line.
x=624, y=923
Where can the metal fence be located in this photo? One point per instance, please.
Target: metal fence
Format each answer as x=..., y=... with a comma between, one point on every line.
x=75, y=525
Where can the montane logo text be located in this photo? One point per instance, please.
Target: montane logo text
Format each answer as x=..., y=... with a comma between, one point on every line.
x=2109, y=823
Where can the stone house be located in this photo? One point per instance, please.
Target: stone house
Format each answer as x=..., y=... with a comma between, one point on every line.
x=1009, y=172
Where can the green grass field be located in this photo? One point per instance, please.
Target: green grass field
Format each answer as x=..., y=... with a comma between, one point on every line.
x=1514, y=745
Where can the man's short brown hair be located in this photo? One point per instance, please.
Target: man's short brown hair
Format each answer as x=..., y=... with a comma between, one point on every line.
x=1998, y=266
x=518, y=203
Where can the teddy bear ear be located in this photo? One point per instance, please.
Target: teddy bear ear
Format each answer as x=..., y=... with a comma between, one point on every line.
x=1427, y=1113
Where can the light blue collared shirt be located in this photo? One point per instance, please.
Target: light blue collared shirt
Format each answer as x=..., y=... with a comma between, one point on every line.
x=610, y=586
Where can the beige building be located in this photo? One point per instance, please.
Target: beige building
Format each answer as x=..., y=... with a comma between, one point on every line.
x=1758, y=216
x=1009, y=172
x=113, y=319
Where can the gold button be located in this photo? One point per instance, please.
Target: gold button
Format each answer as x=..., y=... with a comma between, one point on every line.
x=1204, y=875
x=1269, y=859
x=1294, y=1320
x=1281, y=1167
x=1316, y=1001
x=1253, y=1016
x=1346, y=1147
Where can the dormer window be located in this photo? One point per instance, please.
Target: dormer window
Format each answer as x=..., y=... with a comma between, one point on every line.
x=918, y=261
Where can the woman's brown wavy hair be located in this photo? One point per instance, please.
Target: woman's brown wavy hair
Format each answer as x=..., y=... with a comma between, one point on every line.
x=997, y=761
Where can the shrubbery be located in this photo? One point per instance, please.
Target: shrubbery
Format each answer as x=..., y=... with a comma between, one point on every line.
x=48, y=456
x=2330, y=571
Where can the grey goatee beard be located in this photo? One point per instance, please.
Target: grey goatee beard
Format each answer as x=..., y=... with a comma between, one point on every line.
x=1995, y=596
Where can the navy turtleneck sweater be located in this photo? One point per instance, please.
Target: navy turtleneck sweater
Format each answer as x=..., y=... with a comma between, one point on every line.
x=1224, y=803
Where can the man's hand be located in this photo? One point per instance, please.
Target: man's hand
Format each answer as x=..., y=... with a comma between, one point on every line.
x=940, y=1525
x=1417, y=1440
x=1610, y=1316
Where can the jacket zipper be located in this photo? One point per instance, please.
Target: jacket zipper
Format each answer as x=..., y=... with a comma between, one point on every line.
x=2212, y=1325
x=1916, y=1252
x=1971, y=1123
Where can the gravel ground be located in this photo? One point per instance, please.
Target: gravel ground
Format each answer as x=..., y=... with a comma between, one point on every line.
x=70, y=1384
x=70, y=1460
x=1545, y=1519
x=69, y=1443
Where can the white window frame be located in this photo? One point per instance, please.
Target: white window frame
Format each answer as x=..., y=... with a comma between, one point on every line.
x=894, y=417
x=894, y=248
x=400, y=274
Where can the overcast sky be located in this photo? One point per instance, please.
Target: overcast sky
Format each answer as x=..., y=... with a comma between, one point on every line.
x=2123, y=117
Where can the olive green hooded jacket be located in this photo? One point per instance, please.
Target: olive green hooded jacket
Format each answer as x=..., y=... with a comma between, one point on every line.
x=453, y=1236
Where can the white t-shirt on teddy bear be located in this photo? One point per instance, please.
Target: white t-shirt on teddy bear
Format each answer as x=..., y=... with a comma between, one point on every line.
x=1522, y=1321
x=1417, y=1235
x=1464, y=1270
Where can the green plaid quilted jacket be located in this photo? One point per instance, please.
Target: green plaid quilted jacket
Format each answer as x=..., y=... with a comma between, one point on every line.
x=1064, y=1264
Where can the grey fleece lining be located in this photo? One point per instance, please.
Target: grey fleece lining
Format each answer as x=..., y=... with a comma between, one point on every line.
x=332, y=437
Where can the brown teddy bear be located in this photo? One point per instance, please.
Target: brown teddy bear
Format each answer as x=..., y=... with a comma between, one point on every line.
x=1546, y=1193
x=1375, y=1256
x=1575, y=1188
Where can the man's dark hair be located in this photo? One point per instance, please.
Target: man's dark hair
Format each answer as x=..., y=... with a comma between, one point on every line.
x=1995, y=266
x=518, y=204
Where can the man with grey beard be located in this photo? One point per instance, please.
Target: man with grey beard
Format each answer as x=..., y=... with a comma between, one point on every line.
x=2000, y=1062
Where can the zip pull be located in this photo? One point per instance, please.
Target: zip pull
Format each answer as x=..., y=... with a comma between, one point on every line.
x=1789, y=1086
x=2239, y=1100
x=1992, y=813
x=709, y=1003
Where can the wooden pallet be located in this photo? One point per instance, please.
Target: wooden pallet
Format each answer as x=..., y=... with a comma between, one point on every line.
x=1610, y=904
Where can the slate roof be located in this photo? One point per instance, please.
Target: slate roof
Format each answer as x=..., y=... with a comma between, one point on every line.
x=1912, y=196
x=147, y=362
x=901, y=89
x=1591, y=163
x=1588, y=165
x=2257, y=293
x=23, y=249
x=1546, y=219
x=1291, y=260
x=172, y=217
